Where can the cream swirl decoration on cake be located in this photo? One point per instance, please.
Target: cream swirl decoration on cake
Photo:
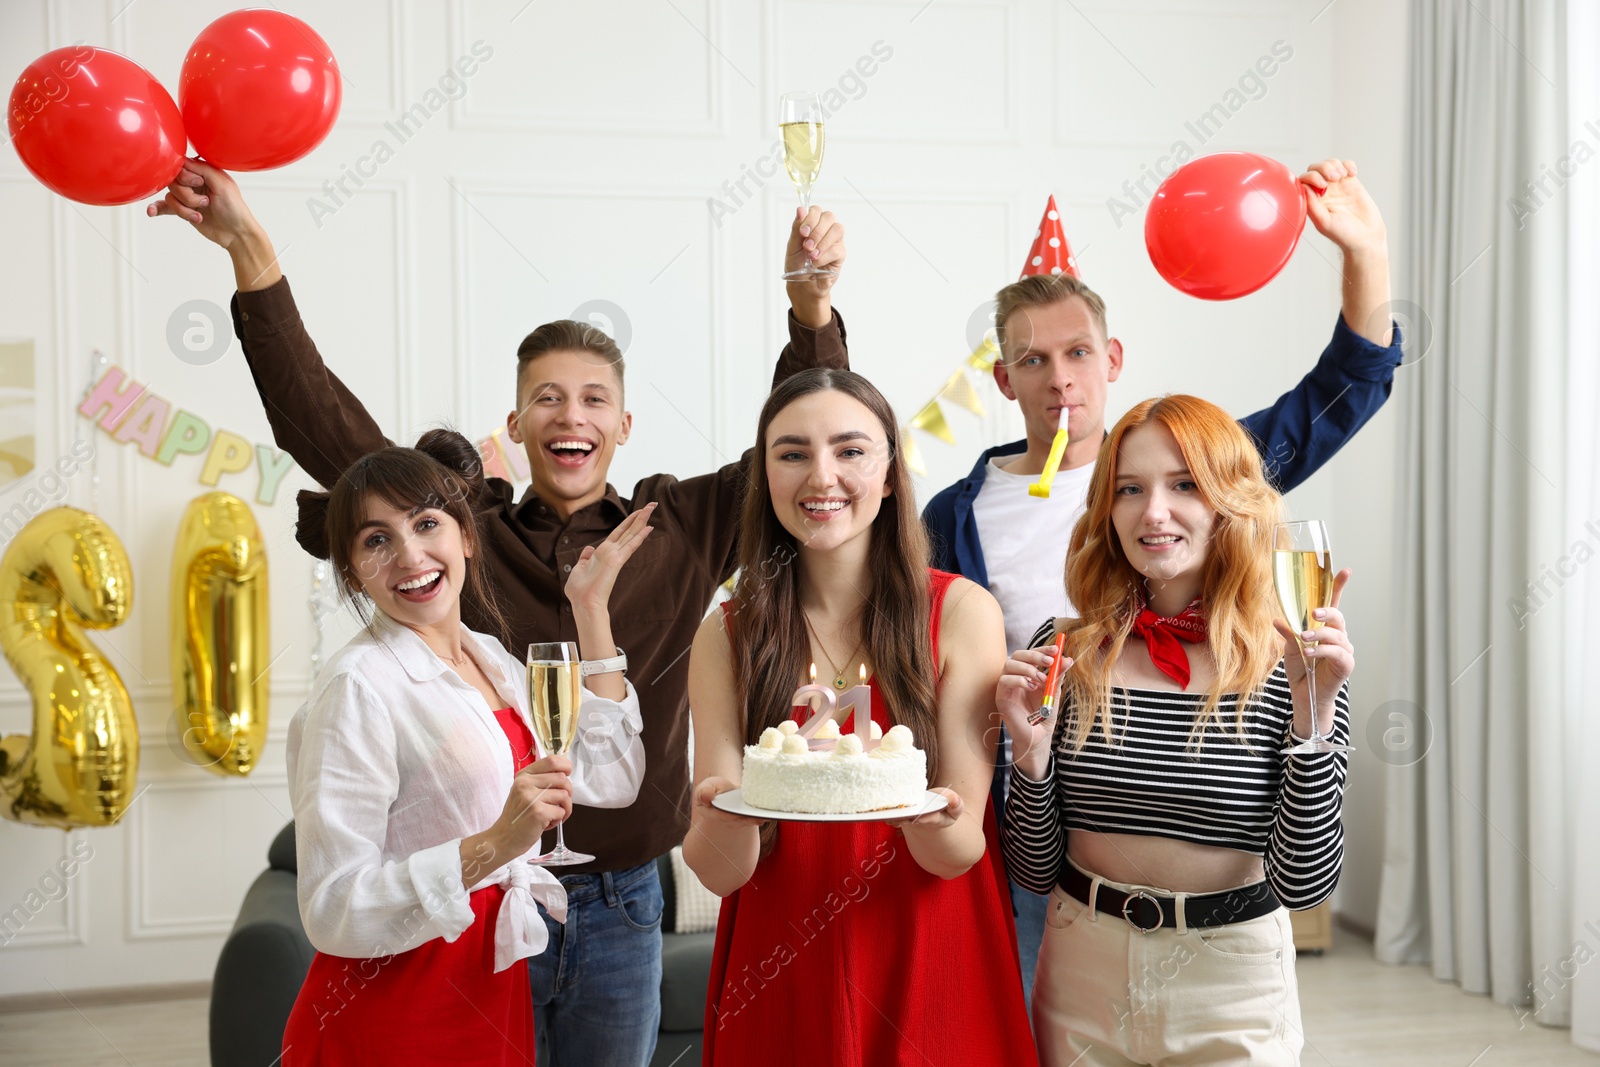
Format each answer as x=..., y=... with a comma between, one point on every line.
x=898, y=739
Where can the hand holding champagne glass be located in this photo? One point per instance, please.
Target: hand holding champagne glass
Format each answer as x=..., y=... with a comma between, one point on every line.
x=555, y=692
x=800, y=120
x=1302, y=570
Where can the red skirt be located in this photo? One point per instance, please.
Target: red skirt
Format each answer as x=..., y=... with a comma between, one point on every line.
x=441, y=1002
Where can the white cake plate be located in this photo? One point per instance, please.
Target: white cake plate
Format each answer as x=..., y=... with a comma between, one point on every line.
x=733, y=802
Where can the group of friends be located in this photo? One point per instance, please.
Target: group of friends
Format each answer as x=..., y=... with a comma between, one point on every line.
x=1121, y=869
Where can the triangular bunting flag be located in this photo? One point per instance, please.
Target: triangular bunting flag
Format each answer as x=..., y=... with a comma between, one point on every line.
x=959, y=391
x=1050, y=253
x=984, y=355
x=931, y=420
x=913, y=454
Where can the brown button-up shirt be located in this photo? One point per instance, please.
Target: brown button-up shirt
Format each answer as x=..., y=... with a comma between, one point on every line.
x=660, y=596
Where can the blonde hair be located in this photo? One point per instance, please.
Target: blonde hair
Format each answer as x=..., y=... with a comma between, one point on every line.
x=1042, y=290
x=1236, y=582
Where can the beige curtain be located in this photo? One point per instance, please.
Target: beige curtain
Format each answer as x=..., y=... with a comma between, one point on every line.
x=1478, y=869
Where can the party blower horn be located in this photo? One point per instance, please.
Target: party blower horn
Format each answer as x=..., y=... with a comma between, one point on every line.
x=1052, y=463
x=1050, y=680
x=1050, y=254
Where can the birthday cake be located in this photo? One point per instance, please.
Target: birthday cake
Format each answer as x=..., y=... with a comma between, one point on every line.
x=830, y=774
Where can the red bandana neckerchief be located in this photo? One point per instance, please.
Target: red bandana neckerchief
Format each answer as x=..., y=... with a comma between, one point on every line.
x=1163, y=633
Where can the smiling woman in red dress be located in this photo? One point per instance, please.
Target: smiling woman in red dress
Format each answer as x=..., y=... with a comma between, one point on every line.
x=870, y=943
x=419, y=792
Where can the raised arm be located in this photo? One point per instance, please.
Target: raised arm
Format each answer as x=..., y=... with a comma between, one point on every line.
x=708, y=505
x=816, y=332
x=1350, y=382
x=1344, y=212
x=314, y=417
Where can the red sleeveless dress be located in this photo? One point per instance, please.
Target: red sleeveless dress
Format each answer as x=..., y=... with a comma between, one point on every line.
x=840, y=950
x=441, y=1002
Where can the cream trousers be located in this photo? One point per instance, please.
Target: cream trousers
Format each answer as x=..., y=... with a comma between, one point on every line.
x=1106, y=994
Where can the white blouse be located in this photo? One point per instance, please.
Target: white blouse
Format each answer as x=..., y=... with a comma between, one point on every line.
x=394, y=760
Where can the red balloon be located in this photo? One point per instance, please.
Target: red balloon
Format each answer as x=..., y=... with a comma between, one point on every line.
x=1223, y=225
x=95, y=126
x=259, y=89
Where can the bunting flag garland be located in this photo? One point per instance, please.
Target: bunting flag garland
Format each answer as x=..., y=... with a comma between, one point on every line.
x=931, y=420
x=913, y=454
x=983, y=357
x=959, y=391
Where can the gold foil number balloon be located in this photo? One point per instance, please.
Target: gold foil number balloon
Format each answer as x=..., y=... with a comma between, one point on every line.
x=219, y=640
x=64, y=571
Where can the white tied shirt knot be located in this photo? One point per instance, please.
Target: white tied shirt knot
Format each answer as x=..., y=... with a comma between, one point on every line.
x=519, y=932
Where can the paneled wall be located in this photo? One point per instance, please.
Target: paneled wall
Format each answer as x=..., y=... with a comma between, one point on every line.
x=506, y=162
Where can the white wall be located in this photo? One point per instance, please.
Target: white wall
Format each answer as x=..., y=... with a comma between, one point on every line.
x=578, y=167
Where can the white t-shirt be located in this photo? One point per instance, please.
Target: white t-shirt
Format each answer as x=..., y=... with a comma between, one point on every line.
x=1025, y=543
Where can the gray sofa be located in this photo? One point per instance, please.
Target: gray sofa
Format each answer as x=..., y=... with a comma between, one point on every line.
x=265, y=959
x=261, y=967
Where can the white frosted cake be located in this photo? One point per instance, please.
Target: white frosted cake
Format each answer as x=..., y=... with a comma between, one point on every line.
x=832, y=774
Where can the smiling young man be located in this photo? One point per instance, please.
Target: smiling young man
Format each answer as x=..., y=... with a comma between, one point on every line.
x=1058, y=360
x=596, y=989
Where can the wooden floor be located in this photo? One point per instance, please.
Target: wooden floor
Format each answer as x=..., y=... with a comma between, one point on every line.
x=1357, y=1013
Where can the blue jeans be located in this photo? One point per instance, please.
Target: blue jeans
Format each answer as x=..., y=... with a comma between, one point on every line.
x=597, y=986
x=1030, y=909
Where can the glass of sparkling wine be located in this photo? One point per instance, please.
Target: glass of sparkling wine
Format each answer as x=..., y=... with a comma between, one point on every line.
x=1302, y=571
x=555, y=690
x=800, y=120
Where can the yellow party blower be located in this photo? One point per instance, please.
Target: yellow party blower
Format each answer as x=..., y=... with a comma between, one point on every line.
x=1041, y=488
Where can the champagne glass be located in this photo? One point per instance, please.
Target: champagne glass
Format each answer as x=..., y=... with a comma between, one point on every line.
x=555, y=691
x=1302, y=571
x=800, y=119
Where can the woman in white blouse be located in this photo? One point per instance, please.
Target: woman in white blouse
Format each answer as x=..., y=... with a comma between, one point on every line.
x=418, y=790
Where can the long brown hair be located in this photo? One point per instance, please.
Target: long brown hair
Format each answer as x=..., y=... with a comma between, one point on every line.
x=444, y=472
x=1236, y=590
x=768, y=633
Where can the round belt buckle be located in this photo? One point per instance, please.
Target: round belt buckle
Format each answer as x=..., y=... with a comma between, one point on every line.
x=1128, y=909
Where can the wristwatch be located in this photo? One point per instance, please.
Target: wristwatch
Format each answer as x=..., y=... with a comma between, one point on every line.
x=619, y=662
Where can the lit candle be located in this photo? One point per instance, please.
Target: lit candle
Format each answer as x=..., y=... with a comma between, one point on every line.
x=859, y=697
x=821, y=701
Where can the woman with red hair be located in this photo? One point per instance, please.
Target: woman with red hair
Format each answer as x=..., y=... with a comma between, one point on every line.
x=1160, y=811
